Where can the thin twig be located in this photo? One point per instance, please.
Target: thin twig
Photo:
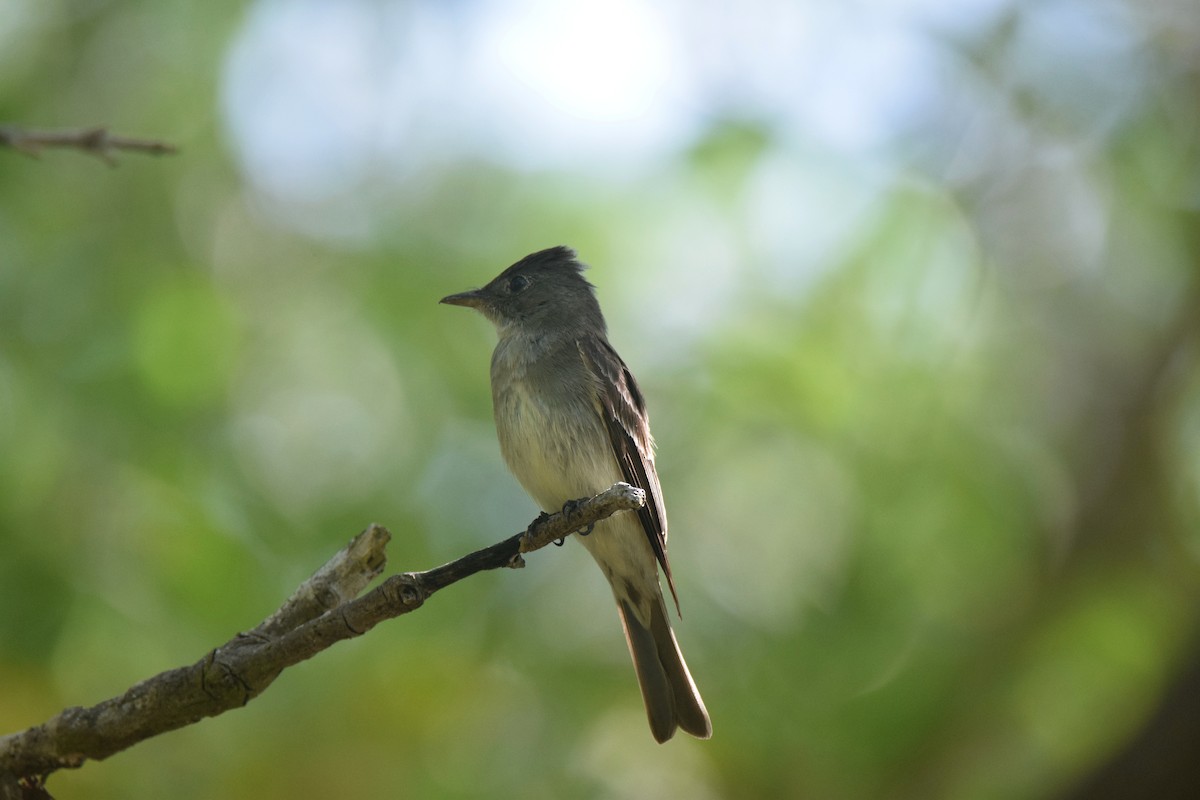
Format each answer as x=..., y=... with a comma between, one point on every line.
x=95, y=141
x=324, y=610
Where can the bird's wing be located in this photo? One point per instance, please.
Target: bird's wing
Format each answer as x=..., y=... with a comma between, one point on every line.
x=619, y=402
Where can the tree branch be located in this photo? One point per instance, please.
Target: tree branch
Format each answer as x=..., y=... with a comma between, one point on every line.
x=95, y=141
x=324, y=610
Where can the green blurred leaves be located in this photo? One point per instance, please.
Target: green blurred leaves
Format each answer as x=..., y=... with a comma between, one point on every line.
x=185, y=343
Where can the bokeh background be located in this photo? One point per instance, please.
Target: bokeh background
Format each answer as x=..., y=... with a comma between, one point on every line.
x=911, y=288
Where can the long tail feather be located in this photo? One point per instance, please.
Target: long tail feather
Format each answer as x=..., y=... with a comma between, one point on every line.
x=671, y=698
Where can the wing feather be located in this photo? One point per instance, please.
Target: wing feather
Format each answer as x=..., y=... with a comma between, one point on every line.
x=619, y=402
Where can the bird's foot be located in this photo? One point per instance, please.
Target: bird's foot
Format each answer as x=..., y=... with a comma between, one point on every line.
x=570, y=507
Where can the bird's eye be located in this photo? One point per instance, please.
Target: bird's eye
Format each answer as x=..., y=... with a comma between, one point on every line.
x=517, y=284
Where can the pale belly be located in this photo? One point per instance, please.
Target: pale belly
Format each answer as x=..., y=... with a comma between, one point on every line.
x=565, y=454
x=558, y=454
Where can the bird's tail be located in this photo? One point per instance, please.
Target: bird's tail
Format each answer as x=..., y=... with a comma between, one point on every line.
x=672, y=700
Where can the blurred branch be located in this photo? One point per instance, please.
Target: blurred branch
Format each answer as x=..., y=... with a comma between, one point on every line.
x=324, y=610
x=95, y=141
x=1127, y=516
x=1160, y=761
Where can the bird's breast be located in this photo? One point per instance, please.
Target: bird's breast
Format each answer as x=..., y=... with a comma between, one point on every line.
x=552, y=439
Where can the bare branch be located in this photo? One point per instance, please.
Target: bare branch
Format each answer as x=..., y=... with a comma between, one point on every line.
x=95, y=141
x=324, y=610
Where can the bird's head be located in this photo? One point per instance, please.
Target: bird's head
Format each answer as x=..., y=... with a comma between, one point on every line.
x=545, y=290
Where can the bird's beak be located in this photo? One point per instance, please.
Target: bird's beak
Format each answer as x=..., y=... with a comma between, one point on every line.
x=471, y=299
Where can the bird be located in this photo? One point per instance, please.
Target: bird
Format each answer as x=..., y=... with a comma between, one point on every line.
x=571, y=421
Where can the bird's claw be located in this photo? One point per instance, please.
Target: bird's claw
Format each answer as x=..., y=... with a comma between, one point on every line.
x=569, y=508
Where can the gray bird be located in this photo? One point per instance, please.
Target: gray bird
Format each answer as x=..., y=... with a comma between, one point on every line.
x=572, y=422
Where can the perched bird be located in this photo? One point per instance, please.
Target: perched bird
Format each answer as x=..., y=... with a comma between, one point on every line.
x=572, y=422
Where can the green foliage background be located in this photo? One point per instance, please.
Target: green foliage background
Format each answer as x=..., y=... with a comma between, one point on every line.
x=933, y=504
